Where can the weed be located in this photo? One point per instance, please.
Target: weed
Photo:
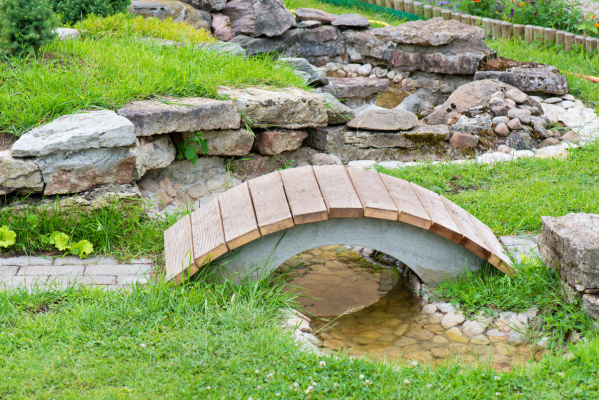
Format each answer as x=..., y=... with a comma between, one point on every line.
x=188, y=148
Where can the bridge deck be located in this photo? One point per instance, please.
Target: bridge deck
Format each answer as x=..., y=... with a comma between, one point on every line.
x=282, y=199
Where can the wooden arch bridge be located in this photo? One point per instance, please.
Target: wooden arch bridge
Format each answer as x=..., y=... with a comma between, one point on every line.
x=286, y=212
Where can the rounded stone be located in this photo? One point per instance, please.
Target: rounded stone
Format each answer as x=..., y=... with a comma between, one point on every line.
x=405, y=342
x=473, y=328
x=452, y=319
x=514, y=124
x=423, y=335
x=457, y=348
x=516, y=95
x=502, y=129
x=401, y=330
x=439, y=339
x=333, y=344
x=440, y=352
x=370, y=334
x=480, y=339
x=456, y=335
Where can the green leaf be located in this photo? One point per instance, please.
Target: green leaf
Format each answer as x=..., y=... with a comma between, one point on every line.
x=7, y=237
x=33, y=220
x=190, y=152
x=82, y=249
x=204, y=146
x=60, y=240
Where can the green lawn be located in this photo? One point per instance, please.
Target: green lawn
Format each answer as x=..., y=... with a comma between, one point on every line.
x=202, y=342
x=510, y=197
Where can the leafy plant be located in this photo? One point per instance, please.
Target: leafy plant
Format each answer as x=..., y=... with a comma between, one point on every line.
x=33, y=220
x=75, y=10
x=7, y=237
x=189, y=147
x=26, y=25
x=62, y=242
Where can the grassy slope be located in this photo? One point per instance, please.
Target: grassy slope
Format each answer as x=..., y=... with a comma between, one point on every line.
x=107, y=72
x=162, y=343
x=511, y=197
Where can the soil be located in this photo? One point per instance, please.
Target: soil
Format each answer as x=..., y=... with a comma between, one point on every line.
x=7, y=140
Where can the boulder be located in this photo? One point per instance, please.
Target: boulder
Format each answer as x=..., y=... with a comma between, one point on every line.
x=473, y=95
x=327, y=138
x=317, y=45
x=337, y=113
x=590, y=305
x=570, y=244
x=224, y=48
x=436, y=45
x=226, y=142
x=259, y=17
x=74, y=132
x=290, y=108
x=312, y=74
x=463, y=140
x=428, y=135
x=71, y=172
x=176, y=10
x=206, y=5
x=20, y=175
x=530, y=79
x=153, y=152
x=67, y=33
x=413, y=104
x=221, y=27
x=312, y=14
x=364, y=46
x=264, y=45
x=351, y=21
x=277, y=141
x=151, y=117
x=384, y=120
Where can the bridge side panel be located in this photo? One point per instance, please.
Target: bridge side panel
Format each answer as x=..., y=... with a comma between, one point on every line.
x=431, y=256
x=442, y=222
x=472, y=238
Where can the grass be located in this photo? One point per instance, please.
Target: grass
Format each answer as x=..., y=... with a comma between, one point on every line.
x=119, y=229
x=222, y=341
x=108, y=72
x=578, y=62
x=534, y=285
x=127, y=25
x=510, y=197
x=334, y=9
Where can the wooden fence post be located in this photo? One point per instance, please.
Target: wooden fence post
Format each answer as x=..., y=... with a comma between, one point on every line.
x=591, y=44
x=560, y=38
x=496, y=29
x=519, y=30
x=428, y=11
x=506, y=28
x=408, y=6
x=529, y=34
x=465, y=19
x=399, y=5
x=456, y=16
x=446, y=15
x=538, y=33
x=418, y=8
x=476, y=21
x=487, y=26
x=580, y=40
x=437, y=12
x=549, y=36
x=569, y=40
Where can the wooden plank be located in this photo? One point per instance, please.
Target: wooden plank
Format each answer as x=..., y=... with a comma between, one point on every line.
x=303, y=195
x=472, y=239
x=407, y=202
x=373, y=194
x=237, y=213
x=179, y=260
x=337, y=190
x=442, y=222
x=208, y=238
x=270, y=204
x=498, y=258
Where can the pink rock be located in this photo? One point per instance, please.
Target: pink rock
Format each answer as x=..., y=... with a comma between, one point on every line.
x=221, y=26
x=463, y=140
x=325, y=159
x=259, y=17
x=277, y=141
x=502, y=129
x=549, y=142
x=514, y=124
x=503, y=149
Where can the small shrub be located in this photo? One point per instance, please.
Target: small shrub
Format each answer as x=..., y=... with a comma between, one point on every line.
x=26, y=25
x=75, y=10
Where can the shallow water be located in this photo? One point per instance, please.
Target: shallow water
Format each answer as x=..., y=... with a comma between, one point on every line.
x=364, y=311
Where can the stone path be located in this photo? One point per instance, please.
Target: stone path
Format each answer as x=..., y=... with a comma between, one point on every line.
x=520, y=245
x=41, y=272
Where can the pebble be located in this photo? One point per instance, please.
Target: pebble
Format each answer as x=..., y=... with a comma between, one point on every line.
x=503, y=149
x=567, y=104
x=569, y=97
x=445, y=307
x=552, y=100
x=365, y=70
x=500, y=95
x=165, y=184
x=510, y=103
x=502, y=129
x=456, y=335
x=391, y=164
x=351, y=67
x=500, y=120
x=341, y=73
x=523, y=115
x=537, y=98
x=398, y=78
x=514, y=124
x=452, y=319
x=549, y=142
x=391, y=74
x=516, y=95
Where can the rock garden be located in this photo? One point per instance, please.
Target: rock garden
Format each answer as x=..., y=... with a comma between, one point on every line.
x=121, y=118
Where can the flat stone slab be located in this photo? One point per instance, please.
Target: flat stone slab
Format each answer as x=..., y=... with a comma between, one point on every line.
x=18, y=174
x=190, y=114
x=74, y=132
x=544, y=78
x=345, y=88
x=290, y=108
x=312, y=14
x=385, y=120
x=351, y=21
